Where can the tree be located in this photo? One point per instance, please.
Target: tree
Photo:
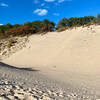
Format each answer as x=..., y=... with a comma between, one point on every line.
x=8, y=26
x=48, y=25
x=52, y=26
x=27, y=23
x=38, y=25
x=62, y=23
x=1, y=30
x=16, y=25
x=22, y=30
x=98, y=19
x=76, y=21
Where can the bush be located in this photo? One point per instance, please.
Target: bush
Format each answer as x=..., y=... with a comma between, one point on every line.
x=62, y=29
x=76, y=21
x=11, y=42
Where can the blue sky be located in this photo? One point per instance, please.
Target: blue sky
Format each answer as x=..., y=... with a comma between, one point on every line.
x=20, y=11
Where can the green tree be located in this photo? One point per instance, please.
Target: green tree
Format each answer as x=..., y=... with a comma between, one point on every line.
x=48, y=25
x=98, y=19
x=62, y=23
x=8, y=26
x=27, y=23
x=16, y=25
x=38, y=25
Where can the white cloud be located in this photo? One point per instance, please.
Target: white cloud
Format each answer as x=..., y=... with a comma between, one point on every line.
x=49, y=0
x=43, y=4
x=1, y=24
x=56, y=14
x=60, y=1
x=4, y=5
x=41, y=12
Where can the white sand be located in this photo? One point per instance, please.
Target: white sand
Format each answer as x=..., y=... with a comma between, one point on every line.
x=72, y=56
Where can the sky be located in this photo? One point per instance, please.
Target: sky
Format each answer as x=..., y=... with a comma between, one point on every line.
x=20, y=11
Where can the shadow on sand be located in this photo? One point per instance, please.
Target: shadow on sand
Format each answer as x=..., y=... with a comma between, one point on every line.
x=13, y=67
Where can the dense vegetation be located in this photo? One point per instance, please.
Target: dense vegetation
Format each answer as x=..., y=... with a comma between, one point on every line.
x=28, y=28
x=77, y=21
x=46, y=26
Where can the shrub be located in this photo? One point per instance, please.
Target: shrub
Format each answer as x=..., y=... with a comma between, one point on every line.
x=11, y=42
x=22, y=30
x=62, y=29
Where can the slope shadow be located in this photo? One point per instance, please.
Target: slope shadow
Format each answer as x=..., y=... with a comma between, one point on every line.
x=13, y=67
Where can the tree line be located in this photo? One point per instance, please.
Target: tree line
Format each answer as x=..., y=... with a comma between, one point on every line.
x=65, y=23
x=38, y=27
x=28, y=28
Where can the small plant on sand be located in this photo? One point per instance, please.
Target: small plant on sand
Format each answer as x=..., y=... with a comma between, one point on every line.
x=62, y=29
x=11, y=43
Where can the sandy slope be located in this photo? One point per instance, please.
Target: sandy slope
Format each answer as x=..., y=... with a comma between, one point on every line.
x=72, y=56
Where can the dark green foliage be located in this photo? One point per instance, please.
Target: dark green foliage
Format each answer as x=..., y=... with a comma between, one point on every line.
x=8, y=26
x=28, y=23
x=74, y=21
x=38, y=25
x=48, y=26
x=28, y=28
x=16, y=25
x=62, y=23
x=98, y=19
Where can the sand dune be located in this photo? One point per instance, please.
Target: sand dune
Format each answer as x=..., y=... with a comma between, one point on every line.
x=69, y=56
